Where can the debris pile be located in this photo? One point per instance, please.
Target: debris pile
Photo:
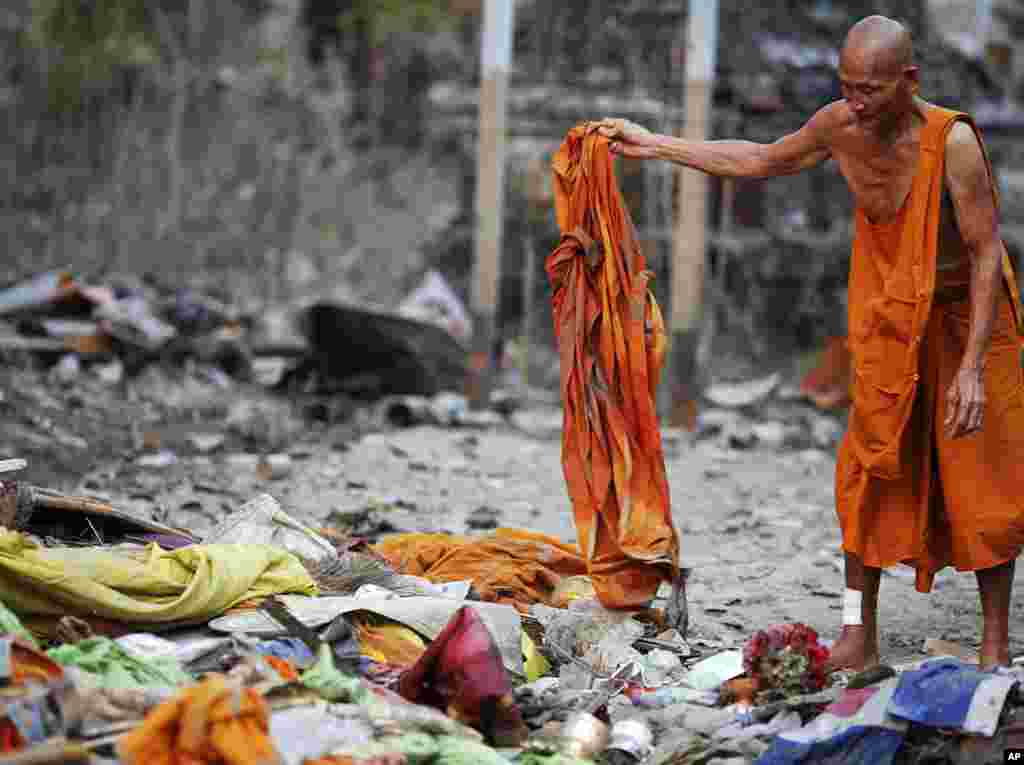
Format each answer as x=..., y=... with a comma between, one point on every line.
x=265, y=640
x=118, y=329
x=764, y=412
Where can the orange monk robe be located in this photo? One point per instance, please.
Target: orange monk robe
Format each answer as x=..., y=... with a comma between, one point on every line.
x=611, y=340
x=905, y=491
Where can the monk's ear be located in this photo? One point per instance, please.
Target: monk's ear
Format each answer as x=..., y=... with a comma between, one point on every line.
x=913, y=76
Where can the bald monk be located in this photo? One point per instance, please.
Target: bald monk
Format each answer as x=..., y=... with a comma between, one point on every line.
x=931, y=469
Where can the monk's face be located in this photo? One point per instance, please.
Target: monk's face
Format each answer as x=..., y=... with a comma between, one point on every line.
x=879, y=89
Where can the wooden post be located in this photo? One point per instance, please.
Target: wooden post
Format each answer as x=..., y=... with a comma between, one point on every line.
x=495, y=55
x=689, y=245
x=529, y=286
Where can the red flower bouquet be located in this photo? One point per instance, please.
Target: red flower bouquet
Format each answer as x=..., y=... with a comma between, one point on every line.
x=786, y=658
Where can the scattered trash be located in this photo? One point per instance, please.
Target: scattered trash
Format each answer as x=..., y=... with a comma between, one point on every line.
x=483, y=518
x=463, y=672
x=370, y=354
x=159, y=587
x=204, y=443
x=857, y=729
x=46, y=513
x=262, y=521
x=510, y=566
x=435, y=302
x=113, y=666
x=212, y=721
x=583, y=735
x=712, y=672
x=162, y=459
x=270, y=640
x=738, y=395
x=274, y=466
x=937, y=647
x=972, y=701
x=631, y=740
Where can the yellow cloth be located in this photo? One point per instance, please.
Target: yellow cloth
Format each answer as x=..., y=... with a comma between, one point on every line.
x=143, y=586
x=388, y=642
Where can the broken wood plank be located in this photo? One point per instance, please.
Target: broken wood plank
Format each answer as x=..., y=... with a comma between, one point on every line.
x=49, y=508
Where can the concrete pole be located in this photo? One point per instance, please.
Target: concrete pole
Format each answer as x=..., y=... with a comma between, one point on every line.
x=495, y=56
x=529, y=287
x=689, y=244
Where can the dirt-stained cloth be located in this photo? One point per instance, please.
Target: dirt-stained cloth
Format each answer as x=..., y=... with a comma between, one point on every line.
x=510, y=566
x=905, y=491
x=611, y=341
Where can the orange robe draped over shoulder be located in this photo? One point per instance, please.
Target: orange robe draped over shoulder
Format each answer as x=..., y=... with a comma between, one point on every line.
x=611, y=340
x=905, y=492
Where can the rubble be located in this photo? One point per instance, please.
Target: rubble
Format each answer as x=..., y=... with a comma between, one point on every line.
x=354, y=639
x=386, y=670
x=418, y=349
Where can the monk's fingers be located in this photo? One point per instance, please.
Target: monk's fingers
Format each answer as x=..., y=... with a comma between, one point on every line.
x=977, y=415
x=969, y=417
x=952, y=405
x=966, y=416
x=612, y=127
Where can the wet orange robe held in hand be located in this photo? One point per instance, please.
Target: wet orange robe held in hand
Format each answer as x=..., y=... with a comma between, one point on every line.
x=905, y=491
x=611, y=341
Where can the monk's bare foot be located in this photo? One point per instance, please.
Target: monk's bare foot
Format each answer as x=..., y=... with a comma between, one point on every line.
x=854, y=650
x=993, y=653
x=676, y=612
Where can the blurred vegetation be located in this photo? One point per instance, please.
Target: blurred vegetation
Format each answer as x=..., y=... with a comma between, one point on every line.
x=91, y=39
x=385, y=17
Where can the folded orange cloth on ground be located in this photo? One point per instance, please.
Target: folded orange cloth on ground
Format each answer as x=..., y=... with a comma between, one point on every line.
x=511, y=566
x=611, y=340
x=213, y=722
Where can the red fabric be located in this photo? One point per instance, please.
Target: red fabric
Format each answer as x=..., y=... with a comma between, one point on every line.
x=462, y=674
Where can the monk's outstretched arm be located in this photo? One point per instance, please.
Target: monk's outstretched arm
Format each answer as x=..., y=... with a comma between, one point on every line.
x=970, y=186
x=790, y=154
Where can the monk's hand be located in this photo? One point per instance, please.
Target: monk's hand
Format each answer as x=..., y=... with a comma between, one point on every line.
x=628, y=138
x=965, y=403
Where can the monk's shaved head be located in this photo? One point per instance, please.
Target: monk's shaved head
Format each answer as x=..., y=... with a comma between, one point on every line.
x=883, y=42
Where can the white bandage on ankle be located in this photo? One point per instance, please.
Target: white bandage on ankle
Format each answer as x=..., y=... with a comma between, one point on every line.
x=851, y=607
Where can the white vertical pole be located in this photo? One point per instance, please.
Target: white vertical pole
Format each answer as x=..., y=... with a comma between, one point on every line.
x=983, y=25
x=689, y=245
x=495, y=57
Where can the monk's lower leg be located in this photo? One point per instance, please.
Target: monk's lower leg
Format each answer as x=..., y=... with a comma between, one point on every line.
x=995, y=586
x=676, y=611
x=857, y=647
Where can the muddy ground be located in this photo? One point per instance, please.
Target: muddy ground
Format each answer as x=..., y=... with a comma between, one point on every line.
x=758, y=526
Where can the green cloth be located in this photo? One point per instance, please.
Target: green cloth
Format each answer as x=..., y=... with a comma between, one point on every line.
x=549, y=758
x=418, y=748
x=149, y=586
x=325, y=679
x=11, y=625
x=453, y=750
x=114, y=667
x=424, y=749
